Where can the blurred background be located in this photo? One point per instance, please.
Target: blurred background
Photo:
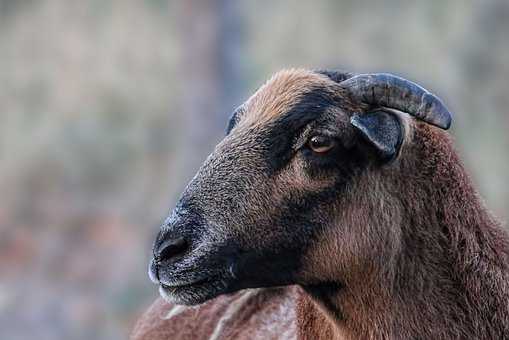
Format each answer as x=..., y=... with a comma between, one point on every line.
x=108, y=107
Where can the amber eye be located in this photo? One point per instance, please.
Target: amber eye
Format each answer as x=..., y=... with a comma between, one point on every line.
x=321, y=144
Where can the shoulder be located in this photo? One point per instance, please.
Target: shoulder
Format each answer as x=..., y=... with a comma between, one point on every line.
x=248, y=314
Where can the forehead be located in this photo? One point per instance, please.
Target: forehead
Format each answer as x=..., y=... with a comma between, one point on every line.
x=282, y=92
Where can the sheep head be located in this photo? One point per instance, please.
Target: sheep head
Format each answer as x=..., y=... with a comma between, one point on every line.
x=274, y=200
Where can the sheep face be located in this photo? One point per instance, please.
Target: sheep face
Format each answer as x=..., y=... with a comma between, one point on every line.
x=267, y=195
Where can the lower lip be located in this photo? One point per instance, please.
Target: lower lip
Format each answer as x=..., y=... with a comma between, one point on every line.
x=177, y=294
x=185, y=285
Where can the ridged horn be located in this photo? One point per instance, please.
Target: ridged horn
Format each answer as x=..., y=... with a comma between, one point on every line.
x=383, y=89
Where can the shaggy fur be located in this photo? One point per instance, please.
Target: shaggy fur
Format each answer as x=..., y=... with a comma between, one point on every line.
x=260, y=314
x=367, y=248
x=438, y=266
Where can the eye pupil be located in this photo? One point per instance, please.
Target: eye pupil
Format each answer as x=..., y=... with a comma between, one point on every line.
x=321, y=144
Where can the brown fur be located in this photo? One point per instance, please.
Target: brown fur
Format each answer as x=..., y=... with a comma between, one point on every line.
x=406, y=251
x=252, y=314
x=442, y=271
x=279, y=93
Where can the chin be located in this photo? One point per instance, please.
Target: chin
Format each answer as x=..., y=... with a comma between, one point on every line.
x=195, y=293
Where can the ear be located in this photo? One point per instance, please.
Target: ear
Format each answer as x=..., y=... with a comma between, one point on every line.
x=336, y=75
x=382, y=130
x=234, y=119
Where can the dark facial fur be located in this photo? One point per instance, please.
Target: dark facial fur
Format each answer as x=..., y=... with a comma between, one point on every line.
x=386, y=247
x=372, y=238
x=263, y=195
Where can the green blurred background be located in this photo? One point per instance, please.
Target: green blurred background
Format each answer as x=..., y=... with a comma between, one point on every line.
x=109, y=106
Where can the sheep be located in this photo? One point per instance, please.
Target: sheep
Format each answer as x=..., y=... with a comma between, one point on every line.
x=335, y=208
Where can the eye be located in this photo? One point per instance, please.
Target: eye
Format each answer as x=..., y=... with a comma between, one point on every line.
x=321, y=144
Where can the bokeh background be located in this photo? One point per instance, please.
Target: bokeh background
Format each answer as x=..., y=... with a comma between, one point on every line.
x=107, y=108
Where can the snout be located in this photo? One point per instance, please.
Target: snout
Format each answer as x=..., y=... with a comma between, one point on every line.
x=166, y=250
x=171, y=248
x=188, y=264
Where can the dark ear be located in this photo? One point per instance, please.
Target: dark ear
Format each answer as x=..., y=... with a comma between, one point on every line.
x=234, y=119
x=382, y=130
x=336, y=75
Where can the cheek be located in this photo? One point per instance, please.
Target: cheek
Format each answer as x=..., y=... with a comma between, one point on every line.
x=301, y=176
x=331, y=244
x=356, y=247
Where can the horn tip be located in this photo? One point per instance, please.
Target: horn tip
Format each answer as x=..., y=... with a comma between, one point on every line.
x=444, y=122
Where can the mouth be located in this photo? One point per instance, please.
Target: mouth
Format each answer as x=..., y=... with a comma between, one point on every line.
x=194, y=292
x=182, y=284
x=197, y=277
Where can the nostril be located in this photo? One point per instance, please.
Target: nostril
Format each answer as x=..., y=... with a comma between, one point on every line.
x=172, y=248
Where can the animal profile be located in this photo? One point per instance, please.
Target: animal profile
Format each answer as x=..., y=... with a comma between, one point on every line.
x=335, y=207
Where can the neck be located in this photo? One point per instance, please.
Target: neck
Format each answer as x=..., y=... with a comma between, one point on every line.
x=447, y=271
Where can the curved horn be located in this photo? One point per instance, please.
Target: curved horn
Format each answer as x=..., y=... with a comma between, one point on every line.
x=388, y=90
